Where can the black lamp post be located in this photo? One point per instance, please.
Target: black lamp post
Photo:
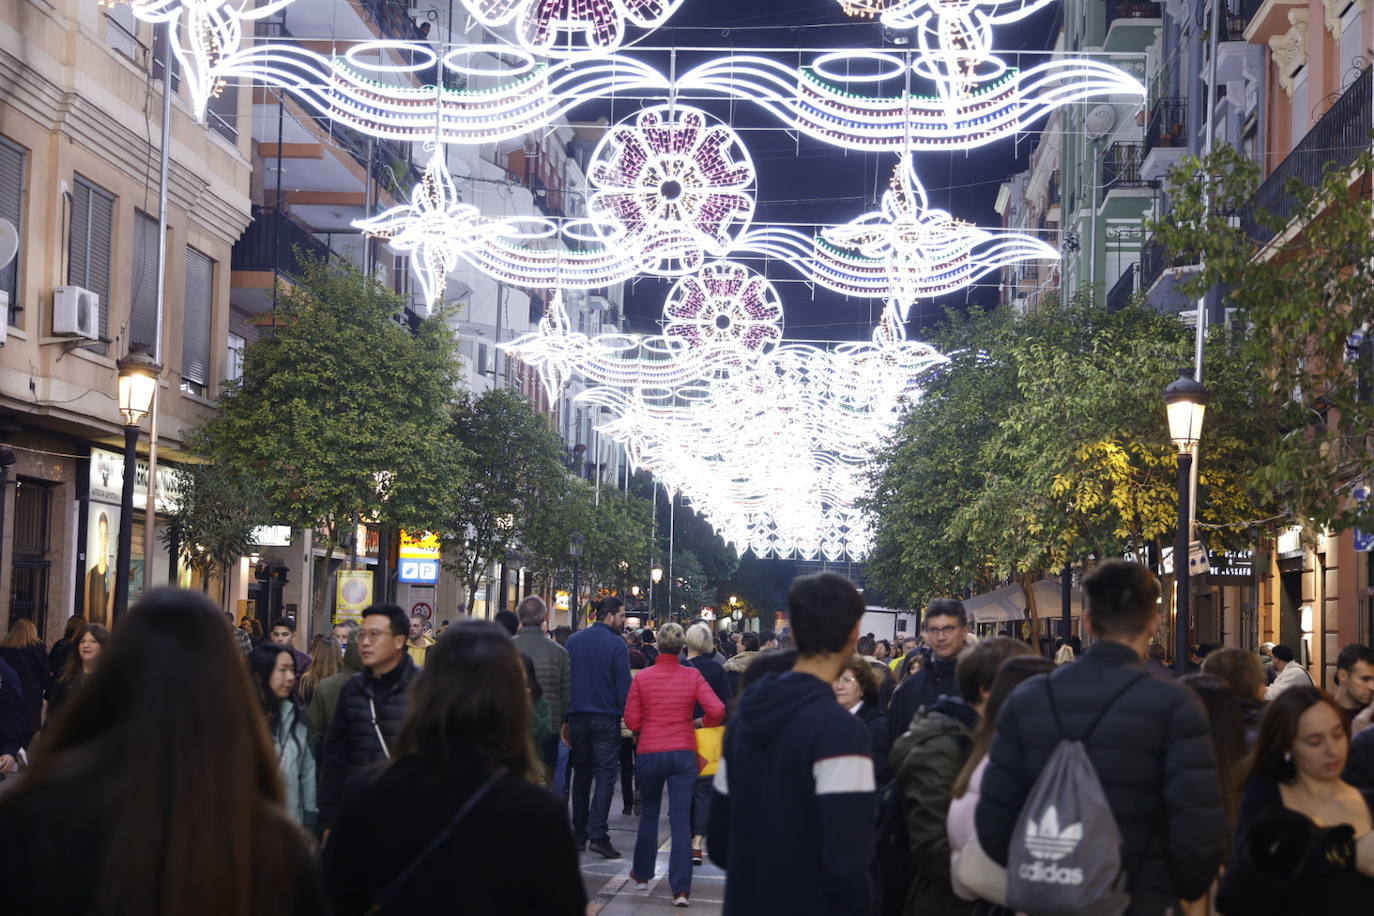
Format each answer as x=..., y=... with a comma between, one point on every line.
x=1185, y=403
x=138, y=375
x=575, y=545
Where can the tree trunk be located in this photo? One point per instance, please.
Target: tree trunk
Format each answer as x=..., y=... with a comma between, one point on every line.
x=1028, y=589
x=321, y=597
x=224, y=589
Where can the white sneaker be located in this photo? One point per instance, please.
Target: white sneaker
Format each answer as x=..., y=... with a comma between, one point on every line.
x=680, y=900
x=640, y=885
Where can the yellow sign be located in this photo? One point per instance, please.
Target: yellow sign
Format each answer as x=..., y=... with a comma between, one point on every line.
x=420, y=545
x=560, y=600
x=354, y=594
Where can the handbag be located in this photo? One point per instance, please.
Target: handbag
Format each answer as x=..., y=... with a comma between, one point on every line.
x=710, y=744
x=977, y=872
x=385, y=894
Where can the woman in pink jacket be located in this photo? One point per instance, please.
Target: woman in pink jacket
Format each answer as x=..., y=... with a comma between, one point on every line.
x=659, y=708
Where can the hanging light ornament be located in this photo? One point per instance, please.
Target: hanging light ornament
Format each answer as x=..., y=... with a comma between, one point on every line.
x=600, y=24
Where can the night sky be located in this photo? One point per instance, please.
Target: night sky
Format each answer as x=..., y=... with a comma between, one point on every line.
x=801, y=180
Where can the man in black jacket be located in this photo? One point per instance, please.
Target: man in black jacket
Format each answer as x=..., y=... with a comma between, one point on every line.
x=372, y=706
x=1151, y=748
x=946, y=628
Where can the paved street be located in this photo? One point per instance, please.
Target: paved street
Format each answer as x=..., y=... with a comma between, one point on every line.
x=613, y=894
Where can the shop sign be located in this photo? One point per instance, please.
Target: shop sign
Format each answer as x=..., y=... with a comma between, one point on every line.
x=107, y=481
x=419, y=545
x=354, y=594
x=1234, y=566
x=272, y=536
x=418, y=572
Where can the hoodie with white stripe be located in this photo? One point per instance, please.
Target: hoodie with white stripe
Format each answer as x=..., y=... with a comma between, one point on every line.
x=792, y=811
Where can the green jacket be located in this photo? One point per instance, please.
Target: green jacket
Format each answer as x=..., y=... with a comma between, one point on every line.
x=925, y=762
x=326, y=698
x=551, y=667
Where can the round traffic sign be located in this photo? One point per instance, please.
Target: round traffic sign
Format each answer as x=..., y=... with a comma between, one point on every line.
x=421, y=609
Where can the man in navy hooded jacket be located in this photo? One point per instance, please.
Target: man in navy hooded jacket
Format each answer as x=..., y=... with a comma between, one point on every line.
x=793, y=793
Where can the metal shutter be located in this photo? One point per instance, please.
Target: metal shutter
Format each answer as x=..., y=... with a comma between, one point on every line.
x=195, y=340
x=143, y=285
x=11, y=208
x=119, y=29
x=222, y=114
x=92, y=230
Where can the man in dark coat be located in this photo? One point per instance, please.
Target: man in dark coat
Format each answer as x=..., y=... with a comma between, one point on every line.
x=946, y=628
x=1151, y=748
x=12, y=719
x=372, y=706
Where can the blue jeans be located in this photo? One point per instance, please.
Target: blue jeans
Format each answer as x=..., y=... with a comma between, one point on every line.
x=679, y=770
x=595, y=753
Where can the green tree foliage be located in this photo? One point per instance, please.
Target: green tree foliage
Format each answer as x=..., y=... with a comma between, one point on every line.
x=515, y=480
x=343, y=413
x=1043, y=441
x=1307, y=293
x=216, y=512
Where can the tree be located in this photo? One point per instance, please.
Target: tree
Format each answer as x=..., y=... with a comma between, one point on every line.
x=1304, y=283
x=343, y=413
x=515, y=483
x=213, y=521
x=1044, y=441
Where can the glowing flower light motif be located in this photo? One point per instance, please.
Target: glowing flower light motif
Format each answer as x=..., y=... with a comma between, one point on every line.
x=676, y=185
x=927, y=251
x=539, y=23
x=433, y=228
x=724, y=304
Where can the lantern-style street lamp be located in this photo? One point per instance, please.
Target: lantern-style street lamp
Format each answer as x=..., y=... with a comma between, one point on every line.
x=1185, y=404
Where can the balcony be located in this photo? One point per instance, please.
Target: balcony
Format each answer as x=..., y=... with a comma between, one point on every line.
x=1121, y=167
x=1119, y=296
x=394, y=20
x=1332, y=143
x=272, y=245
x=1166, y=138
x=1131, y=25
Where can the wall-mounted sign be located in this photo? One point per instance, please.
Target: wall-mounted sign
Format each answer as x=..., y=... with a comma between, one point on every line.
x=419, y=545
x=107, y=481
x=354, y=594
x=417, y=572
x=272, y=535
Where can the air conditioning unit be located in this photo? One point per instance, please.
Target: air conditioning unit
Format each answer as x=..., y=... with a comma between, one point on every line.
x=75, y=312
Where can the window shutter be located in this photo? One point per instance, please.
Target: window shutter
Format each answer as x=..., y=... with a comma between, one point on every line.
x=143, y=285
x=119, y=29
x=92, y=231
x=195, y=341
x=1350, y=51
x=12, y=209
x=1298, y=109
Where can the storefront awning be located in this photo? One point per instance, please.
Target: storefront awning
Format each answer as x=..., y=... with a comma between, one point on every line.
x=1049, y=599
x=997, y=606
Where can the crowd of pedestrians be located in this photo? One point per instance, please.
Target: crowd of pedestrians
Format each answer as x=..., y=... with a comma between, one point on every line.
x=190, y=766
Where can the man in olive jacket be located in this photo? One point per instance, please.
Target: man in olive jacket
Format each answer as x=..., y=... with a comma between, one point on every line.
x=1152, y=748
x=550, y=667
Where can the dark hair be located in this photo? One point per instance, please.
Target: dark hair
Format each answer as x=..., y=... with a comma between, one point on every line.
x=945, y=607
x=76, y=625
x=608, y=606
x=287, y=622
x=766, y=636
x=254, y=629
x=472, y=688
x=1352, y=655
x=73, y=668
x=1227, y=724
x=561, y=633
x=769, y=661
x=170, y=711
x=1123, y=598
x=399, y=622
x=262, y=661
x=1242, y=671
x=863, y=672
x=976, y=671
x=637, y=660
x=823, y=610
x=1014, y=671
x=866, y=645
x=749, y=642
x=1156, y=652
x=648, y=636
x=1282, y=653
x=531, y=678
x=1279, y=729
x=508, y=621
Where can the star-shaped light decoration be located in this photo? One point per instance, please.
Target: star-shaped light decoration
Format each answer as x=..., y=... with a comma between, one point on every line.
x=434, y=228
x=927, y=251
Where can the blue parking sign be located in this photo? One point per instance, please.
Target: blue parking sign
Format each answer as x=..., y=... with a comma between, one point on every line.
x=418, y=572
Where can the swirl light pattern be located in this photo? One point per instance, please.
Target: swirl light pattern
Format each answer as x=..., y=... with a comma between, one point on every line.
x=592, y=23
x=724, y=304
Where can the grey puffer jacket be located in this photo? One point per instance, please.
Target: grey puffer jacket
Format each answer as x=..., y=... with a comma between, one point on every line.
x=1152, y=752
x=551, y=667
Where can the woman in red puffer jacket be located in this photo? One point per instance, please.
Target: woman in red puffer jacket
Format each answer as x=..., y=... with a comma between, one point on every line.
x=659, y=707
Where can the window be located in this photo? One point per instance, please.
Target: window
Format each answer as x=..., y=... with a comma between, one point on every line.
x=222, y=114
x=233, y=360
x=1351, y=54
x=155, y=65
x=143, y=285
x=119, y=30
x=88, y=245
x=195, y=334
x=12, y=209
x=400, y=274
x=1297, y=111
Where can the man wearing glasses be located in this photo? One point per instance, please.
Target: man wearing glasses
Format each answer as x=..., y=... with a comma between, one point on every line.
x=372, y=706
x=945, y=629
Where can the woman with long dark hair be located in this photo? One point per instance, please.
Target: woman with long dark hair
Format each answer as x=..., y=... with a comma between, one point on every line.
x=459, y=815
x=64, y=647
x=80, y=665
x=1303, y=834
x=156, y=793
x=273, y=670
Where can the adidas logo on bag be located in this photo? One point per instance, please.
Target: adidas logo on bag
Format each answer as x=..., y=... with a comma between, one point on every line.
x=1045, y=841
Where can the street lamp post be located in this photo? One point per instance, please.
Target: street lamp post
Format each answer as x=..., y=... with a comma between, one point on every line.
x=575, y=545
x=1185, y=403
x=655, y=577
x=138, y=374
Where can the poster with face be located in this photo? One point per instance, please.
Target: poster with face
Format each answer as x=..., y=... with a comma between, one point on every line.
x=103, y=527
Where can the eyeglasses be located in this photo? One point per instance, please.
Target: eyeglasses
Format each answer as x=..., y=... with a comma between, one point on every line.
x=848, y=680
x=943, y=631
x=373, y=635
